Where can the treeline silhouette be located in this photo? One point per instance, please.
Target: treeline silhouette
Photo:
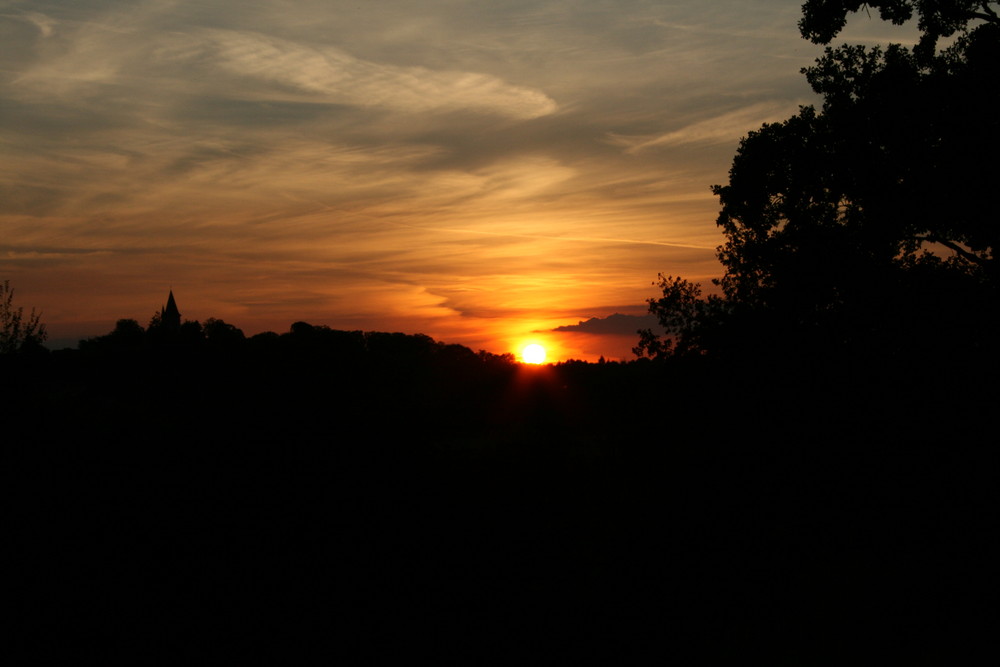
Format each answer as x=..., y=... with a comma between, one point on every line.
x=209, y=384
x=385, y=492
x=197, y=379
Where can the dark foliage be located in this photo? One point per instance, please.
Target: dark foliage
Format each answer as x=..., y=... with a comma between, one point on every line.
x=387, y=496
x=866, y=229
x=822, y=20
x=858, y=325
x=18, y=334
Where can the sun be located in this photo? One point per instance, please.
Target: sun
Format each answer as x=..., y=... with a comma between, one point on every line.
x=533, y=354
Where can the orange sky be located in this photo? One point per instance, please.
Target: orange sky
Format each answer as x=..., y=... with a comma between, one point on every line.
x=482, y=173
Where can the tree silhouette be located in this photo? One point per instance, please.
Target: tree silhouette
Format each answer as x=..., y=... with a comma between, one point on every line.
x=822, y=20
x=219, y=332
x=127, y=332
x=17, y=332
x=684, y=316
x=868, y=222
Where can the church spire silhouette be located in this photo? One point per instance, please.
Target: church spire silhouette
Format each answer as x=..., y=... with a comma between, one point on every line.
x=170, y=316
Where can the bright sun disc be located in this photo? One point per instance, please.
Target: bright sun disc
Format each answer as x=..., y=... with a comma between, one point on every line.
x=533, y=354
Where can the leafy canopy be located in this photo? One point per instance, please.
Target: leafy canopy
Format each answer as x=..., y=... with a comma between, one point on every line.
x=873, y=218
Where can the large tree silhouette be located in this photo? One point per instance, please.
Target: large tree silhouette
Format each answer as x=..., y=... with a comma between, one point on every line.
x=870, y=222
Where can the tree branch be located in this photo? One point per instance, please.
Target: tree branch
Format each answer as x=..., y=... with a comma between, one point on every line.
x=951, y=245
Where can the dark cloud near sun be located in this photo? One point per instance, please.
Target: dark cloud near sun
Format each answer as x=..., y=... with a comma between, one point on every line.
x=616, y=324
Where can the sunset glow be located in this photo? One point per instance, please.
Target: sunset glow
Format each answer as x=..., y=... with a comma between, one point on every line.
x=478, y=177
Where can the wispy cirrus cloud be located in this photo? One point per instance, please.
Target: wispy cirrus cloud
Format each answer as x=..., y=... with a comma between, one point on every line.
x=334, y=76
x=723, y=128
x=245, y=64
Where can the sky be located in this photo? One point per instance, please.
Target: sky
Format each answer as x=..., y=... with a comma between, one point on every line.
x=485, y=173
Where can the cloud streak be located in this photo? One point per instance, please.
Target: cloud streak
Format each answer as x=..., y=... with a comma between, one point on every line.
x=725, y=128
x=474, y=171
x=331, y=75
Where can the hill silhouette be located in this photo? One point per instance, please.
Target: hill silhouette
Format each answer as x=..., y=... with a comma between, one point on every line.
x=386, y=492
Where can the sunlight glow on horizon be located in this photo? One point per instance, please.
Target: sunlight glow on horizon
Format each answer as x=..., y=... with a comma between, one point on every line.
x=329, y=165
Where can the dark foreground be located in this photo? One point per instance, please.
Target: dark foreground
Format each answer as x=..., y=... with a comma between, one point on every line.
x=221, y=507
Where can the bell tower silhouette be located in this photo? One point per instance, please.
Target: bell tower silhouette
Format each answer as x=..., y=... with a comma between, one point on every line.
x=169, y=315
